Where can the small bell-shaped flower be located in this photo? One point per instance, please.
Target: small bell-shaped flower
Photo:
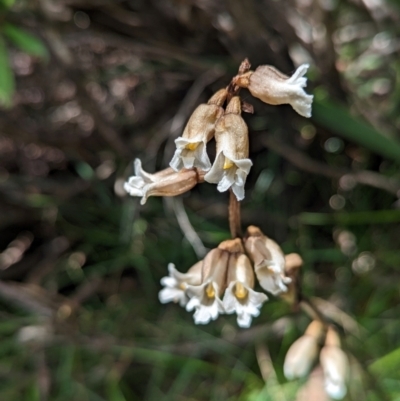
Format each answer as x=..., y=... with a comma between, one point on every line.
x=163, y=183
x=240, y=298
x=191, y=146
x=273, y=87
x=335, y=365
x=231, y=165
x=303, y=352
x=205, y=298
x=176, y=283
x=269, y=261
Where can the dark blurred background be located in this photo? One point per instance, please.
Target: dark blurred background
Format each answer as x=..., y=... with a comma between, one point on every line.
x=86, y=86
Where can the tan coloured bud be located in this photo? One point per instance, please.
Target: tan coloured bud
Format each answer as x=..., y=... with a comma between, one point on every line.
x=293, y=264
x=231, y=165
x=335, y=365
x=164, y=183
x=269, y=261
x=191, y=146
x=303, y=352
x=273, y=87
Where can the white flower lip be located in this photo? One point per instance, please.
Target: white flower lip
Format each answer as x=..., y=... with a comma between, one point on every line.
x=184, y=157
x=334, y=363
x=206, y=308
x=273, y=87
x=271, y=277
x=176, y=283
x=233, y=177
x=245, y=308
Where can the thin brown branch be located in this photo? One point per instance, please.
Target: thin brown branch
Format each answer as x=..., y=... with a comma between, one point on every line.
x=235, y=222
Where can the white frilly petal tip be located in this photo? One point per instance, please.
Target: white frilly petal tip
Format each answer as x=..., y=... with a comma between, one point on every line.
x=186, y=158
x=233, y=177
x=206, y=309
x=245, y=308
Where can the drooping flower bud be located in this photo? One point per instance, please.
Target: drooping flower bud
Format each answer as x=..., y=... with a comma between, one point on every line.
x=231, y=165
x=163, y=183
x=191, y=146
x=335, y=365
x=240, y=298
x=303, y=352
x=293, y=264
x=271, y=86
x=269, y=261
x=176, y=283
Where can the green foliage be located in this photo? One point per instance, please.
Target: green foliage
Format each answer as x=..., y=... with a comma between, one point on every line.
x=7, y=83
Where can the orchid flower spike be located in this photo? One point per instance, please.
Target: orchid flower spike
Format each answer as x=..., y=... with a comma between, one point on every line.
x=191, y=146
x=163, y=183
x=271, y=86
x=231, y=165
x=269, y=261
x=176, y=283
x=240, y=298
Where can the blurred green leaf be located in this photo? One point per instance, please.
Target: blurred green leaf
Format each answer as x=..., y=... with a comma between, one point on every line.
x=7, y=3
x=388, y=365
x=337, y=118
x=7, y=83
x=26, y=41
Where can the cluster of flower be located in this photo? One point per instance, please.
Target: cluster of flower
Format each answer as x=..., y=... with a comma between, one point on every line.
x=223, y=282
x=191, y=165
x=334, y=362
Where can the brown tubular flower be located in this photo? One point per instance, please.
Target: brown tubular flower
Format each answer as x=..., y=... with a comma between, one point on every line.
x=205, y=298
x=231, y=165
x=269, y=261
x=163, y=183
x=191, y=146
x=240, y=298
x=273, y=87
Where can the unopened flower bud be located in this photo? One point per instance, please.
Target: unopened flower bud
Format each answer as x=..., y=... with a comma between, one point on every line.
x=231, y=165
x=240, y=298
x=269, y=261
x=191, y=146
x=271, y=86
x=335, y=365
x=293, y=263
x=163, y=183
x=303, y=352
x=176, y=283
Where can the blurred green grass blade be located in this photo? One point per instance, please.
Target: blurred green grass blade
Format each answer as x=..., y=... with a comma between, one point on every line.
x=25, y=41
x=7, y=83
x=368, y=217
x=337, y=118
x=387, y=366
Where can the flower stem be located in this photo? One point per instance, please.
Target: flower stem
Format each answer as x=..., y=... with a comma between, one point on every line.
x=235, y=222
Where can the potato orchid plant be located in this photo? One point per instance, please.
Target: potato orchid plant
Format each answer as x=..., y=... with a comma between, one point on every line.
x=224, y=281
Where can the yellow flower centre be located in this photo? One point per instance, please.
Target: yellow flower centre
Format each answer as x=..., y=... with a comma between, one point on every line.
x=210, y=291
x=182, y=286
x=192, y=146
x=228, y=163
x=240, y=291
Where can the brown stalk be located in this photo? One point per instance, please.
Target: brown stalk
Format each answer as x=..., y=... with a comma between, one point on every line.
x=235, y=222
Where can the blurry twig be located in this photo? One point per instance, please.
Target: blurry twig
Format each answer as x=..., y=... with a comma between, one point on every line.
x=302, y=161
x=187, y=229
